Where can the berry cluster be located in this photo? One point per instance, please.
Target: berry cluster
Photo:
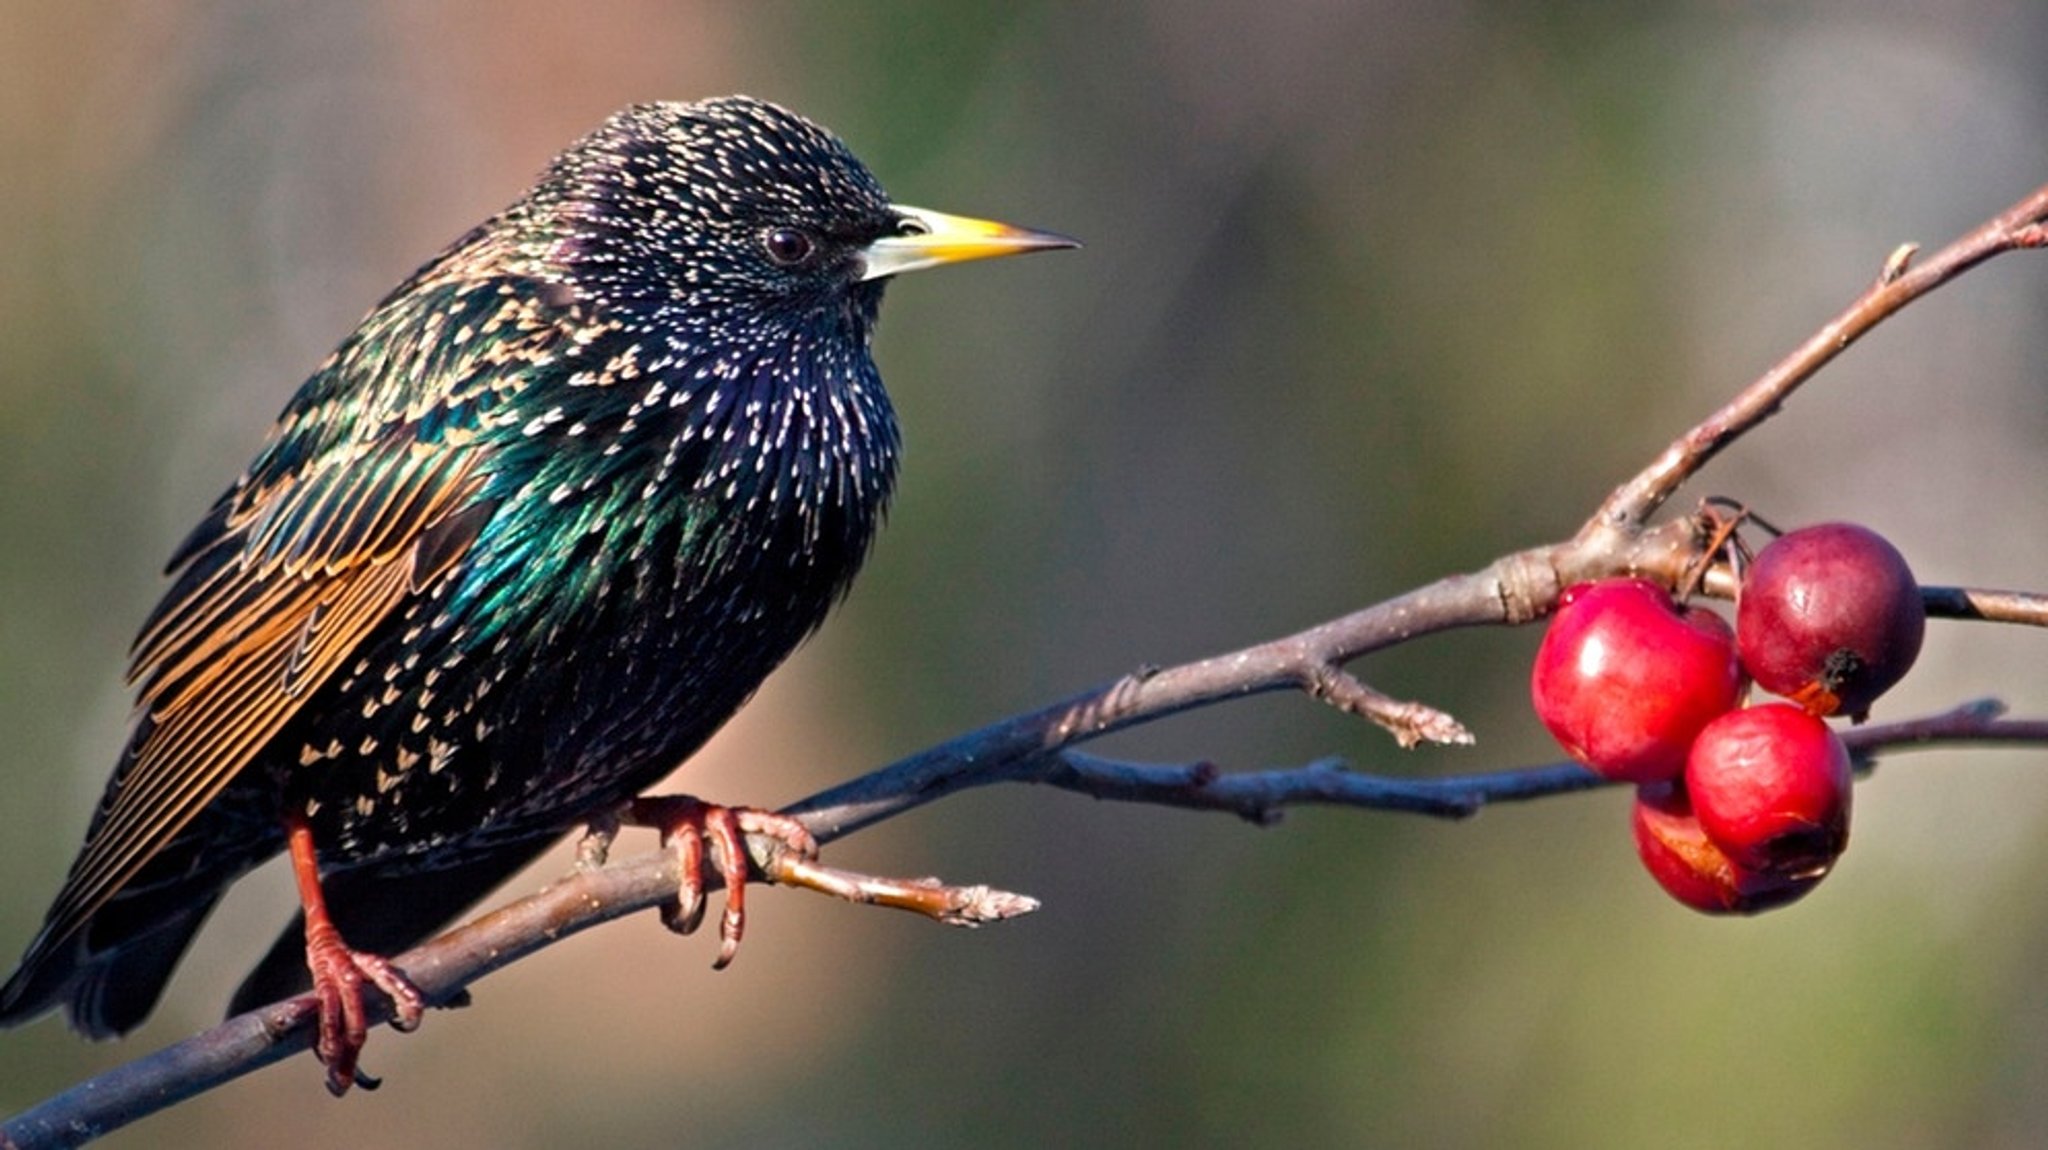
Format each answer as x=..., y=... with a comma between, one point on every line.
x=1739, y=808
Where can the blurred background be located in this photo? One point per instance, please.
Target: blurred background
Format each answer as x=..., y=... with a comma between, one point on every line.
x=1372, y=293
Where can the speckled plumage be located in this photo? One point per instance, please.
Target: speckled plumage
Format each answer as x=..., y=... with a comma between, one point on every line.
x=523, y=542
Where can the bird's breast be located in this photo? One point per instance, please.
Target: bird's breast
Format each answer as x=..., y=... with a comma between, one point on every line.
x=599, y=630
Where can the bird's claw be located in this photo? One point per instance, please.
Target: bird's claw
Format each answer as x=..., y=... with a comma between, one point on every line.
x=688, y=825
x=339, y=975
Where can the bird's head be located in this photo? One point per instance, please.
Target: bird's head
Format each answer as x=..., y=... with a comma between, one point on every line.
x=737, y=211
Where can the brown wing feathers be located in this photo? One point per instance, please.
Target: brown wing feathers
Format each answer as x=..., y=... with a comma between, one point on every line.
x=322, y=560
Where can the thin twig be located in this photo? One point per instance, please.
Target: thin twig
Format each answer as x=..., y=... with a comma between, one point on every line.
x=1987, y=606
x=1901, y=282
x=1260, y=796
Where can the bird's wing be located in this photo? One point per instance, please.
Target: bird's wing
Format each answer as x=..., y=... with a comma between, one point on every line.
x=371, y=486
x=295, y=573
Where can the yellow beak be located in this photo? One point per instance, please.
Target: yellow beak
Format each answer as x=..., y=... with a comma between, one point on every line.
x=932, y=238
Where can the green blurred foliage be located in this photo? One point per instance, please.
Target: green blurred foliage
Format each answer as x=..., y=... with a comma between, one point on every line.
x=1372, y=293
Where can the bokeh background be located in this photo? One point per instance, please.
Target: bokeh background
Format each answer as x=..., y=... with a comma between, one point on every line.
x=1372, y=293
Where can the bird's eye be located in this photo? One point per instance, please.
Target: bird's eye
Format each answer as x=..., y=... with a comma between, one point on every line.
x=789, y=247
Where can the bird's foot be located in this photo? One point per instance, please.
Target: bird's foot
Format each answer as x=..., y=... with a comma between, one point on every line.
x=687, y=824
x=787, y=855
x=339, y=975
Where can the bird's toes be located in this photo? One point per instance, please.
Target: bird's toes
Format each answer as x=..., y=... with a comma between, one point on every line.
x=704, y=833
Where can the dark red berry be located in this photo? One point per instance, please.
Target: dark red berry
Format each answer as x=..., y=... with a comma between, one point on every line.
x=1625, y=679
x=1771, y=786
x=1695, y=871
x=1830, y=617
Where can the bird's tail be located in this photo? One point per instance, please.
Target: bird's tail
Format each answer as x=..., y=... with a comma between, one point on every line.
x=109, y=973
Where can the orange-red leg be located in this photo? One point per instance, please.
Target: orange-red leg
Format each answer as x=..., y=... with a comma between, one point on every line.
x=686, y=825
x=339, y=974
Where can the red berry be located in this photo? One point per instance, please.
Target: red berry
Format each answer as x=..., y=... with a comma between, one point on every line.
x=1625, y=679
x=1830, y=617
x=1771, y=786
x=1692, y=869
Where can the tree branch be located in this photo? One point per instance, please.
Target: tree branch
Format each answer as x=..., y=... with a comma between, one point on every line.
x=1039, y=747
x=588, y=897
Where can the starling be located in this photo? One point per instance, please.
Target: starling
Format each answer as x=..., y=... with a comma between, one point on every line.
x=530, y=535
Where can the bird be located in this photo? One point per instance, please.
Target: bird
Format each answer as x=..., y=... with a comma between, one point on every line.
x=531, y=534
